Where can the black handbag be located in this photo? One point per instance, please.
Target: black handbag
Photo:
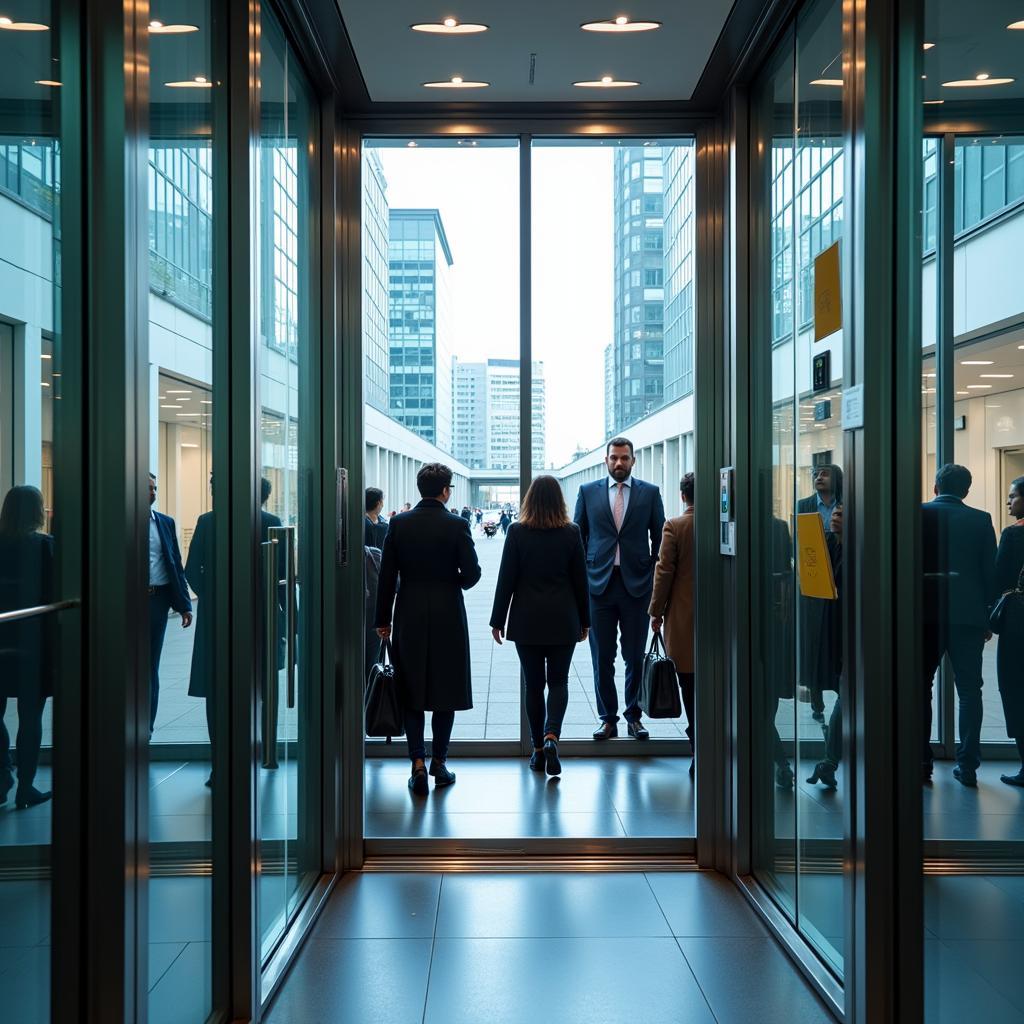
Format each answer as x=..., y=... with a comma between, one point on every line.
x=659, y=688
x=383, y=708
x=1007, y=615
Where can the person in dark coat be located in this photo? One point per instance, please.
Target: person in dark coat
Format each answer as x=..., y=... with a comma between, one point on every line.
x=543, y=576
x=1010, y=652
x=505, y=521
x=375, y=528
x=959, y=564
x=428, y=560
x=26, y=645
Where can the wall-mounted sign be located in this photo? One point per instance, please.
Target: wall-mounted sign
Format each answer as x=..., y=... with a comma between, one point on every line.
x=822, y=410
x=959, y=422
x=828, y=295
x=821, y=371
x=853, y=407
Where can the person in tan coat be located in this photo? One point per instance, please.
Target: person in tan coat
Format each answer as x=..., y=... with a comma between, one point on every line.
x=673, y=597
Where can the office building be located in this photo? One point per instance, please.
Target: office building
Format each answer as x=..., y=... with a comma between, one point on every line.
x=610, y=418
x=376, y=267
x=680, y=263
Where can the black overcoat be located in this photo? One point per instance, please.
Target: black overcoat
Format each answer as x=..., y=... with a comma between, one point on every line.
x=1010, y=652
x=27, y=645
x=428, y=561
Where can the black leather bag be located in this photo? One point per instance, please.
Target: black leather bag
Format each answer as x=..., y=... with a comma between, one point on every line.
x=659, y=689
x=383, y=708
x=1007, y=615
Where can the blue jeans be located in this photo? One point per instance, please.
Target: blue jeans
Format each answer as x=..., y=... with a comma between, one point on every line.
x=613, y=612
x=441, y=725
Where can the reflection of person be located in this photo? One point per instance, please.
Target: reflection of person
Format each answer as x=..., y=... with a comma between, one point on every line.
x=620, y=519
x=505, y=521
x=375, y=527
x=543, y=577
x=672, y=598
x=167, y=590
x=779, y=642
x=26, y=645
x=828, y=492
x=371, y=642
x=406, y=507
x=1010, y=652
x=832, y=656
x=959, y=554
x=428, y=561
x=467, y=514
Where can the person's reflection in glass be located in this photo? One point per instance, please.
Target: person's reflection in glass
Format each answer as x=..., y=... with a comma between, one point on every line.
x=1010, y=652
x=26, y=645
x=781, y=664
x=831, y=657
x=199, y=571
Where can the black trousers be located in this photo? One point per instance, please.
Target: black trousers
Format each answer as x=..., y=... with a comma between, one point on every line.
x=545, y=665
x=613, y=612
x=159, y=609
x=965, y=646
x=441, y=725
x=834, y=734
x=30, y=738
x=686, y=686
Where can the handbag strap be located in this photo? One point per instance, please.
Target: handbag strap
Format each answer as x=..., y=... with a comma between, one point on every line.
x=384, y=654
x=656, y=641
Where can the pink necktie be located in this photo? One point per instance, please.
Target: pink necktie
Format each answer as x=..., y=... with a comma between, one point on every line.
x=618, y=512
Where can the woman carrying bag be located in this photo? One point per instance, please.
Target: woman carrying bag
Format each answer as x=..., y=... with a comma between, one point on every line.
x=543, y=577
x=1009, y=612
x=672, y=598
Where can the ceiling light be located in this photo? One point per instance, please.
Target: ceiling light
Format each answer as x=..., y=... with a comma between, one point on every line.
x=961, y=392
x=828, y=81
x=184, y=415
x=449, y=27
x=995, y=376
x=975, y=362
x=10, y=25
x=188, y=444
x=45, y=355
x=411, y=145
x=928, y=46
x=1016, y=26
x=933, y=103
x=158, y=28
x=456, y=82
x=47, y=81
x=199, y=82
x=620, y=24
x=978, y=387
x=978, y=80
x=606, y=82
x=170, y=406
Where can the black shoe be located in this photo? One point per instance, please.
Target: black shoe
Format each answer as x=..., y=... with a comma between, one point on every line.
x=926, y=774
x=966, y=777
x=693, y=767
x=537, y=761
x=825, y=773
x=30, y=797
x=443, y=776
x=418, y=782
x=607, y=731
x=818, y=716
x=209, y=782
x=784, y=776
x=637, y=730
x=551, y=763
x=1013, y=780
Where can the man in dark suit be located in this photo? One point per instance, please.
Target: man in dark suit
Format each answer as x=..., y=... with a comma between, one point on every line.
x=375, y=529
x=959, y=559
x=620, y=519
x=428, y=561
x=167, y=590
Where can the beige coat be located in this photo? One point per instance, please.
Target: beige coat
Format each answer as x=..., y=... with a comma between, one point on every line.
x=672, y=598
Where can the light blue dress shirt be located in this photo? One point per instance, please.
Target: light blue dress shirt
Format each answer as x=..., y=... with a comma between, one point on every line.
x=825, y=511
x=612, y=494
x=158, y=576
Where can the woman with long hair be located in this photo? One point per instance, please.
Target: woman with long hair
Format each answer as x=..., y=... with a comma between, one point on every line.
x=543, y=577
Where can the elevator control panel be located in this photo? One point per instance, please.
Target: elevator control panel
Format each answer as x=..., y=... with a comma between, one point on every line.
x=726, y=514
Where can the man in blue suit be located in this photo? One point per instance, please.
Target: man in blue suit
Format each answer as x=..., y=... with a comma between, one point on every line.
x=167, y=590
x=620, y=519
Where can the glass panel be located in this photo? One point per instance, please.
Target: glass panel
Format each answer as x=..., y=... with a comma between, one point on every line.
x=285, y=244
x=181, y=530
x=35, y=442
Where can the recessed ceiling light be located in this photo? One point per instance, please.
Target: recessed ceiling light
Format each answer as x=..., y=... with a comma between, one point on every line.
x=1016, y=26
x=620, y=24
x=933, y=103
x=199, y=82
x=188, y=415
x=187, y=444
x=185, y=392
x=970, y=387
x=170, y=406
x=449, y=27
x=982, y=79
x=828, y=81
x=45, y=355
x=456, y=82
x=928, y=46
x=606, y=82
x=158, y=28
x=961, y=392
x=1000, y=376
x=10, y=25
x=975, y=362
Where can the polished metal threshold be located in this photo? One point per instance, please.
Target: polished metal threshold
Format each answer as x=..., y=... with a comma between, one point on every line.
x=473, y=862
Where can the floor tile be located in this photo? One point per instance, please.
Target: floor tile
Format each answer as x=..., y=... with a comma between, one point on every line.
x=998, y=962
x=381, y=906
x=161, y=956
x=25, y=987
x=954, y=993
x=184, y=993
x=180, y=909
x=509, y=826
x=703, y=903
x=25, y=914
x=658, y=824
x=962, y=906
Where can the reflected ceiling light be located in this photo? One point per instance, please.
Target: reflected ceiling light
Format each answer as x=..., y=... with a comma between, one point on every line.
x=933, y=103
x=928, y=46
x=185, y=415
x=979, y=80
x=158, y=28
x=961, y=392
x=975, y=362
x=199, y=82
x=170, y=406
x=456, y=82
x=185, y=392
x=49, y=82
x=620, y=24
x=188, y=444
x=606, y=82
x=10, y=25
x=1017, y=26
x=999, y=376
x=412, y=145
x=449, y=27
x=838, y=82
x=970, y=387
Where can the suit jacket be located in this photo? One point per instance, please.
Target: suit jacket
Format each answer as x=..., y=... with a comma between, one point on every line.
x=181, y=602
x=428, y=561
x=543, y=576
x=374, y=533
x=673, y=595
x=959, y=562
x=638, y=540
x=27, y=646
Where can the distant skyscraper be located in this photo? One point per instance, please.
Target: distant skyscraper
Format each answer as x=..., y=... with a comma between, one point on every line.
x=375, y=283
x=639, y=282
x=679, y=270
x=487, y=432
x=420, y=325
x=609, y=391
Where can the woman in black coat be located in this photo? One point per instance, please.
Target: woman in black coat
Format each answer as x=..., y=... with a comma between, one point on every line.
x=543, y=576
x=26, y=645
x=428, y=560
x=1010, y=652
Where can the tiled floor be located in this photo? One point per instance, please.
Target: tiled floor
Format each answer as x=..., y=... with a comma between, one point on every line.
x=594, y=948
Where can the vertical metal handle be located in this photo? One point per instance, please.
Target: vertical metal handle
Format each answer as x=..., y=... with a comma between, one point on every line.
x=341, y=513
x=291, y=610
x=268, y=720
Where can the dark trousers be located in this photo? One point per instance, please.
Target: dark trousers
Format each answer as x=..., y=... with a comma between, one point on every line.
x=545, y=664
x=441, y=725
x=834, y=734
x=611, y=613
x=965, y=646
x=30, y=738
x=159, y=609
x=686, y=686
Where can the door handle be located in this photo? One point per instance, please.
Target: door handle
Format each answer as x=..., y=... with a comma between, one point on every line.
x=286, y=535
x=268, y=719
x=341, y=515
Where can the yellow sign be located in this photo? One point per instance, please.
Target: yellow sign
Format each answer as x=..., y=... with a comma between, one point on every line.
x=828, y=293
x=816, y=579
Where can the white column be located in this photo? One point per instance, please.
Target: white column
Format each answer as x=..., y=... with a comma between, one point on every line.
x=154, y=417
x=28, y=405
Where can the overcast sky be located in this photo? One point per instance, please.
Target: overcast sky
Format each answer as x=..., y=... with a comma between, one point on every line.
x=477, y=192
